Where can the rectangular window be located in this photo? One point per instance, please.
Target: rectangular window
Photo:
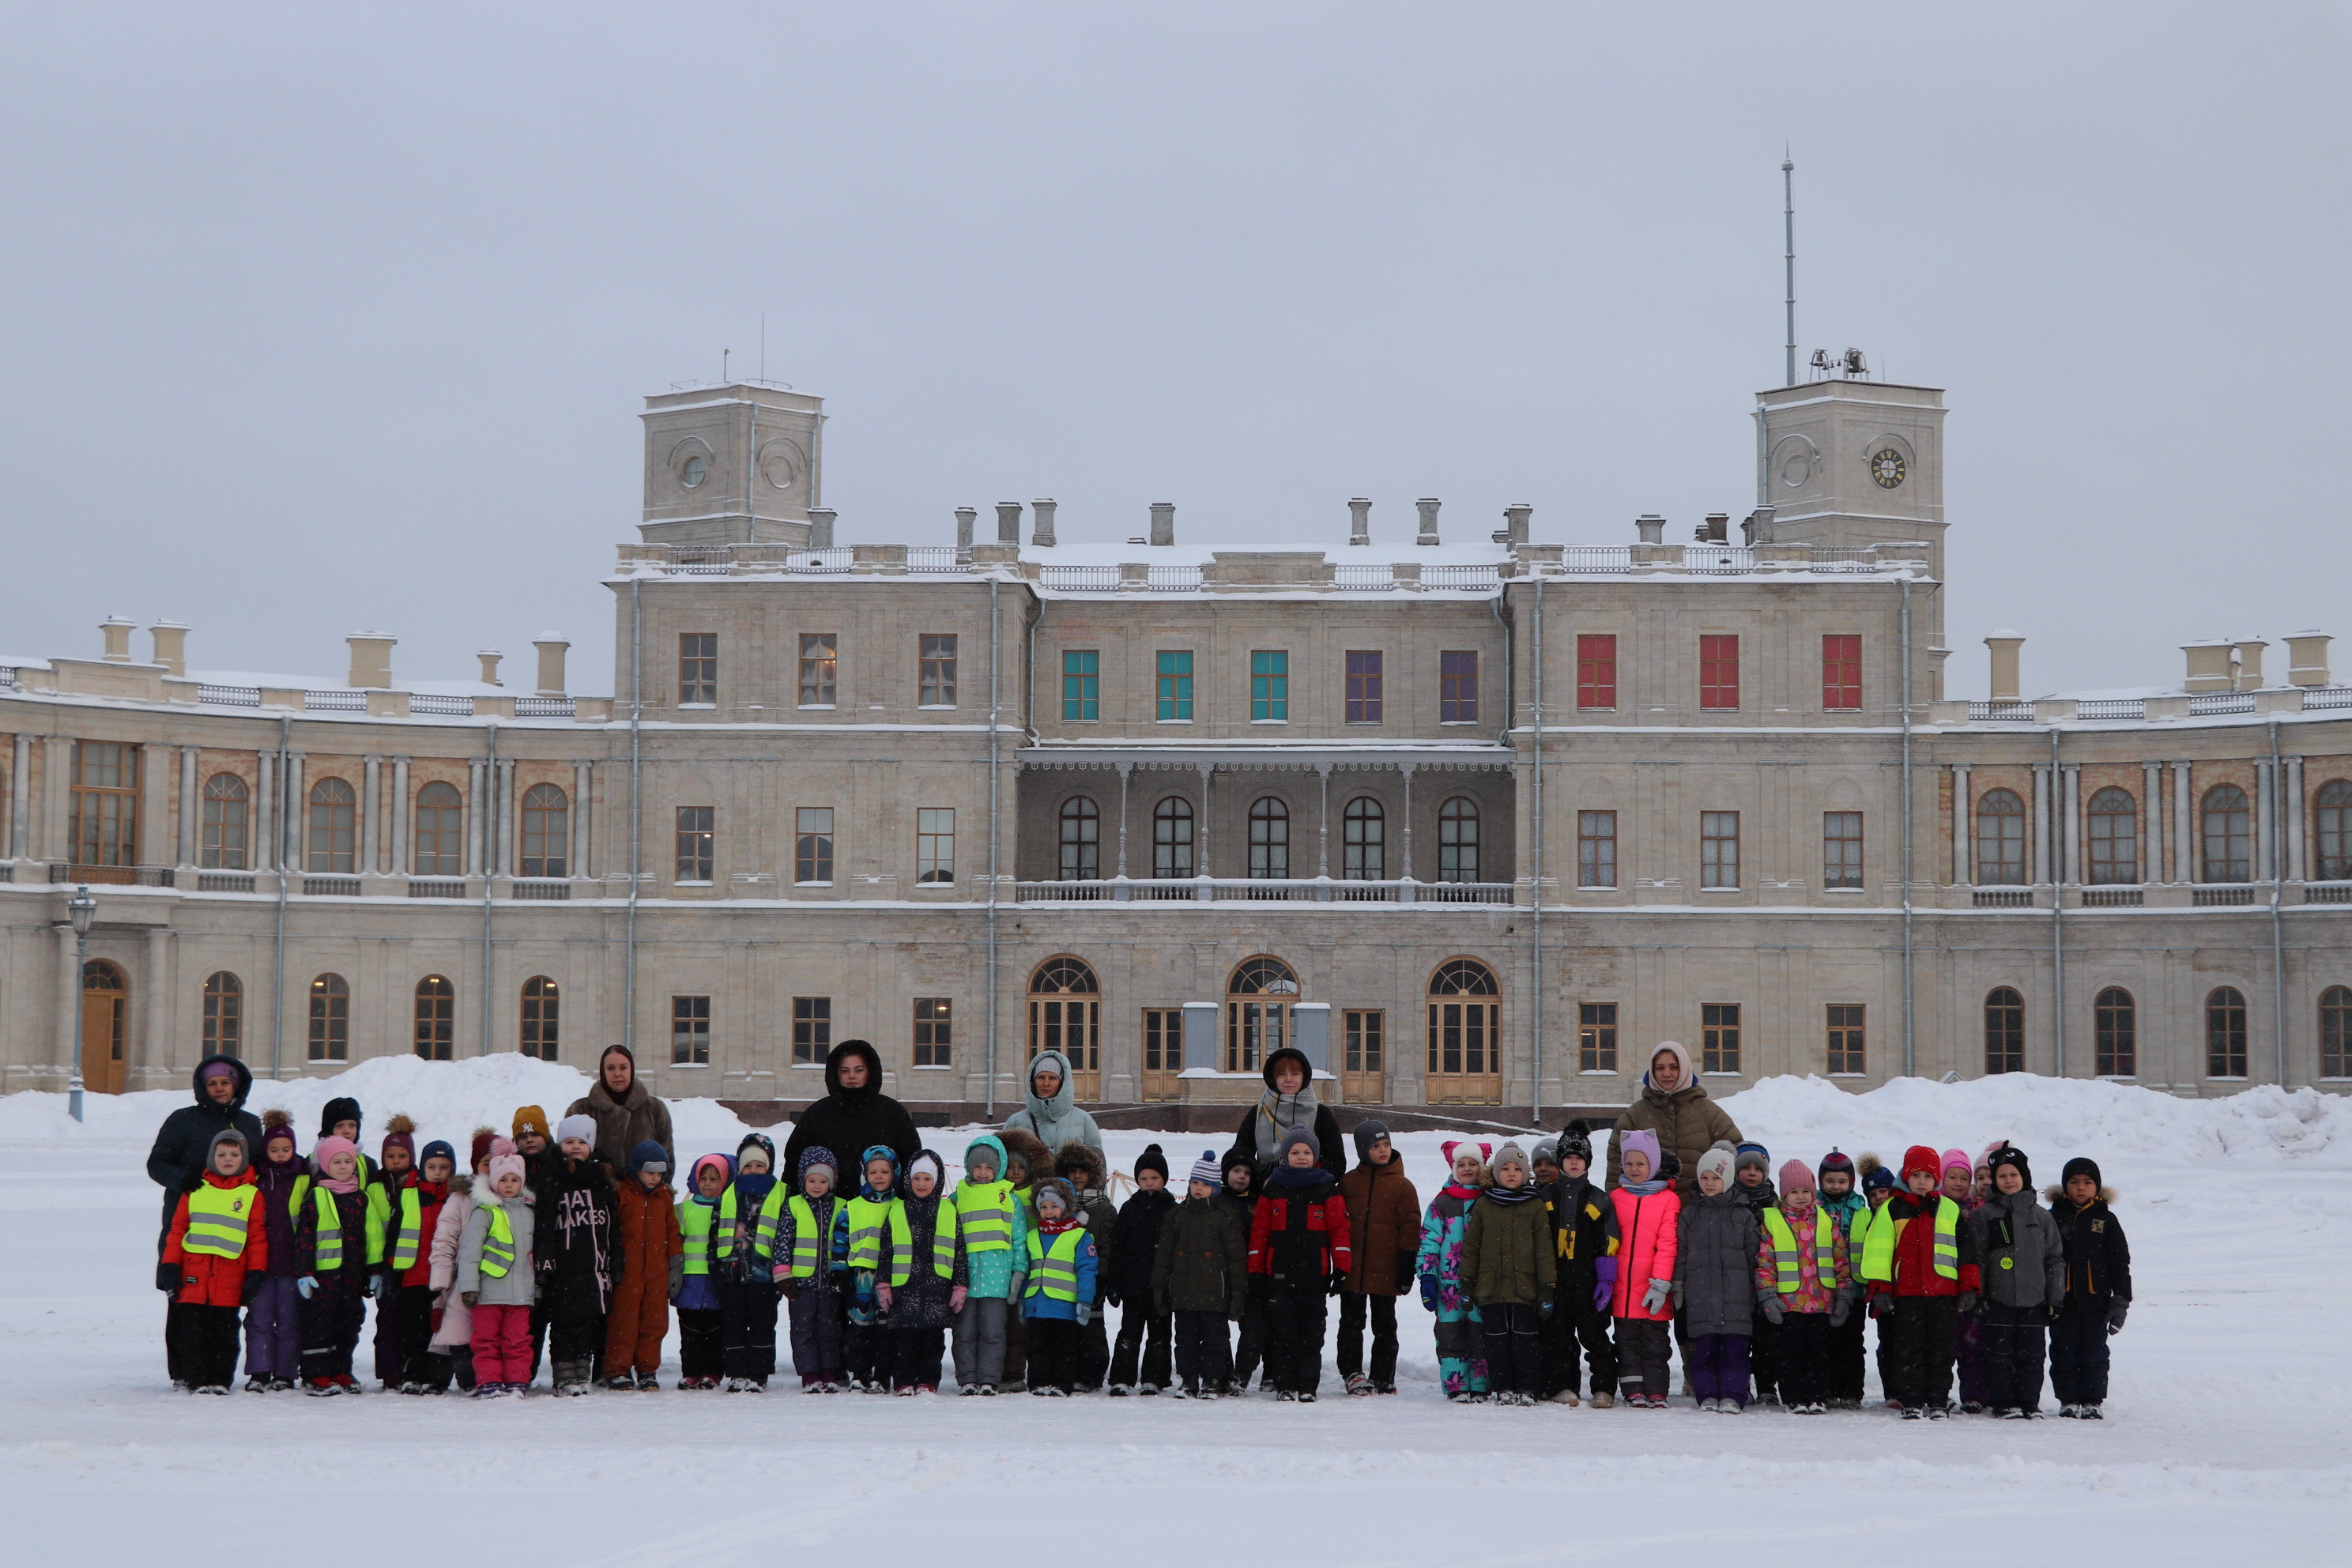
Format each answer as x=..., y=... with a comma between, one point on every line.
x=104, y=830
x=1845, y=1037
x=1174, y=683
x=1270, y=686
x=935, y=844
x=1596, y=1036
x=697, y=667
x=1364, y=686
x=819, y=668
x=331, y=1020
x=1718, y=673
x=935, y=670
x=1458, y=687
x=812, y=1030
x=813, y=845
x=1841, y=675
x=694, y=839
x=932, y=1041
x=1081, y=685
x=1163, y=1054
x=1596, y=669
x=1840, y=849
x=1596, y=849
x=689, y=1031
x=1367, y=1031
x=1719, y=849
x=542, y=1018
x=1719, y=1036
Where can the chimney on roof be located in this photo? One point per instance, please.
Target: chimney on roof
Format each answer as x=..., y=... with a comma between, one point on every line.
x=550, y=647
x=965, y=517
x=371, y=660
x=489, y=657
x=820, y=527
x=1515, y=523
x=2306, y=659
x=1651, y=527
x=1163, y=523
x=1008, y=522
x=2004, y=645
x=1757, y=528
x=172, y=647
x=117, y=633
x=1428, y=505
x=1041, y=511
x=2250, y=664
x=1716, y=529
x=1360, y=521
x=2209, y=667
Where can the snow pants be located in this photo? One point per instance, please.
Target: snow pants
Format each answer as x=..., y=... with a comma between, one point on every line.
x=391, y=1353
x=1719, y=1368
x=701, y=1341
x=816, y=1336
x=1295, y=1319
x=1764, y=1359
x=1143, y=1335
x=330, y=1324
x=639, y=1322
x=1645, y=1357
x=273, y=1330
x=1927, y=1332
x=1354, y=1308
x=1968, y=1347
x=2010, y=1351
x=1094, y=1350
x=1205, y=1358
x=576, y=1337
x=1576, y=1320
x=914, y=1356
x=1461, y=1352
x=411, y=1309
x=980, y=1341
x=1052, y=1353
x=207, y=1337
x=502, y=1344
x=1804, y=1358
x=748, y=1328
x=1513, y=1346
x=2078, y=1352
x=1846, y=1357
x=1249, y=1345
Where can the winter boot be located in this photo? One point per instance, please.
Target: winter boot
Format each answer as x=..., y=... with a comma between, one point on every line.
x=1359, y=1386
x=2090, y=1412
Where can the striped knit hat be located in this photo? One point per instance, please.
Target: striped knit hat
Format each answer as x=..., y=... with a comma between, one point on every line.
x=1206, y=1169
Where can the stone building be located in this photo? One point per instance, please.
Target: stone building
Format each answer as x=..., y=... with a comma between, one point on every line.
x=1475, y=821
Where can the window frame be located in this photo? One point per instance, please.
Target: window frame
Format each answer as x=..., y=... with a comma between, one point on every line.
x=1457, y=686
x=2100, y=839
x=812, y=846
x=697, y=670
x=329, y=1038
x=224, y=840
x=2335, y=1032
x=819, y=683
x=1363, y=840
x=2008, y=874
x=1269, y=839
x=1366, y=681
x=433, y=1016
x=690, y=1030
x=2331, y=822
x=2226, y=1033
x=102, y=816
x=932, y=1041
x=2009, y=1028
x=223, y=1014
x=1460, y=839
x=698, y=846
x=1596, y=849
x=1718, y=673
x=1596, y=1038
x=1081, y=686
x=1077, y=830
x=1842, y=852
x=1172, y=689
x=534, y=828
x=1596, y=672
x=2114, y=1034
x=1713, y=863
x=1168, y=845
x=1718, y=1034
x=934, y=845
x=812, y=1030
x=330, y=842
x=539, y=1018
x=935, y=669
x=2235, y=810
x=1847, y=1039
x=1270, y=686
x=1840, y=672
x=420, y=834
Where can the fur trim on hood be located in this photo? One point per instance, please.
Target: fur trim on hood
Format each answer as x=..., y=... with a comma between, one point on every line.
x=1022, y=1144
x=1077, y=1156
x=2056, y=1195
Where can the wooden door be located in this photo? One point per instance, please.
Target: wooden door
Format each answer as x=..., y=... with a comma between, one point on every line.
x=1364, y=1057
x=1163, y=1052
x=105, y=1010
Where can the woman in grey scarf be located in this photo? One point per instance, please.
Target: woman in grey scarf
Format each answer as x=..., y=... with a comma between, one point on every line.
x=1289, y=1101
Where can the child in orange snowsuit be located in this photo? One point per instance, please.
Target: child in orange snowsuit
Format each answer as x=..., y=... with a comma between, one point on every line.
x=652, y=1261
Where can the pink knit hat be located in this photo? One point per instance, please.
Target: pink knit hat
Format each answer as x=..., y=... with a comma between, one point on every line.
x=1957, y=1160
x=1796, y=1176
x=503, y=1163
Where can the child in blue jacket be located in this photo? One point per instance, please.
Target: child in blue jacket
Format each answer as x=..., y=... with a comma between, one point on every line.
x=1057, y=1298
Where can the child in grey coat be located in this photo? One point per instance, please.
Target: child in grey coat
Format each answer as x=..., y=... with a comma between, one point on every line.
x=1715, y=1286
x=2022, y=1260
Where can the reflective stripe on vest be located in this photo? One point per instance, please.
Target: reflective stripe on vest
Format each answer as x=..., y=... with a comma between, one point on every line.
x=330, y=1248
x=943, y=1242
x=1788, y=1269
x=1878, y=1251
x=985, y=1215
x=497, y=1244
x=808, y=1238
x=411, y=1235
x=868, y=1219
x=1053, y=1268
x=771, y=1220
x=216, y=1220
x=1947, y=1238
x=694, y=1224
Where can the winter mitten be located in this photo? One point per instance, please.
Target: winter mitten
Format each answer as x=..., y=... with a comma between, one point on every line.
x=1882, y=1305
x=1239, y=1305
x=1110, y=1298
x=1544, y=1311
x=677, y=1275
x=252, y=1287
x=780, y=1272
x=957, y=1298
x=1774, y=1311
x=1428, y=1292
x=1085, y=1313
x=472, y=1297
x=309, y=1283
x=2118, y=1310
x=791, y=1288
x=2057, y=1310
x=1841, y=1311
x=370, y=1284
x=1678, y=1295
x=1336, y=1283
x=1968, y=1303
x=167, y=1277
x=1605, y=1274
x=1014, y=1288
x=1655, y=1298
x=882, y=1296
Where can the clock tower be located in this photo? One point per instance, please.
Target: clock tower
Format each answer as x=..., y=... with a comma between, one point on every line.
x=739, y=464
x=1854, y=462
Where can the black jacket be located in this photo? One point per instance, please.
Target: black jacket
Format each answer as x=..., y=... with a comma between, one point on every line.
x=575, y=1241
x=186, y=1139
x=1136, y=1245
x=2098, y=1258
x=848, y=1122
x=1584, y=1227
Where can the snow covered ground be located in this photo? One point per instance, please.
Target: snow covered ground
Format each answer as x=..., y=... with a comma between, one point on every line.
x=2227, y=1426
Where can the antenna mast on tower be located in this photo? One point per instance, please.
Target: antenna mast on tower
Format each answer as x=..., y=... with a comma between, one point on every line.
x=1788, y=221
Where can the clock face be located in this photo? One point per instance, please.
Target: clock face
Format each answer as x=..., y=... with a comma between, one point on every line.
x=1887, y=467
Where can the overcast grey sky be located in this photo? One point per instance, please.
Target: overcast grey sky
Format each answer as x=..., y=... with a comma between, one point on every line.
x=330, y=317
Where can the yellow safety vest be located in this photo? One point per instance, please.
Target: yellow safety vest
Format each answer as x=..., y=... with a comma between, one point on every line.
x=409, y=1239
x=330, y=1247
x=809, y=1239
x=497, y=1244
x=943, y=1242
x=217, y=1219
x=985, y=1215
x=1787, y=1268
x=764, y=1223
x=1054, y=1266
x=868, y=1219
x=1878, y=1251
x=695, y=1219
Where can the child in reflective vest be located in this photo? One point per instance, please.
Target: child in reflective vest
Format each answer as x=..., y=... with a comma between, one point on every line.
x=749, y=1214
x=1058, y=1295
x=338, y=1248
x=700, y=1336
x=804, y=1258
x=413, y=1209
x=1838, y=1195
x=1919, y=1263
x=924, y=1303
x=992, y=1226
x=273, y=1317
x=653, y=1264
x=395, y=1166
x=1804, y=1287
x=215, y=1256
x=497, y=1280
x=876, y=1252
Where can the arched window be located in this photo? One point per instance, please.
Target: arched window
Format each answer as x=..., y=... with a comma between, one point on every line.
x=1258, y=999
x=1171, y=837
x=2229, y=835
x=1081, y=840
x=2001, y=839
x=2004, y=1030
x=440, y=831
x=2114, y=838
x=2225, y=1032
x=2115, y=1033
x=1066, y=1015
x=540, y=1022
x=1465, y=1034
x=2335, y=825
x=331, y=1020
x=105, y=1010
x=334, y=826
x=223, y=847
x=1269, y=838
x=2335, y=1032
x=1363, y=832
x=1457, y=840
x=437, y=1019
x=224, y=1015
x=546, y=831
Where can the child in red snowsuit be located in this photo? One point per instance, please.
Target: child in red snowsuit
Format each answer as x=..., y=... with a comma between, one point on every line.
x=1299, y=1244
x=1919, y=1263
x=215, y=1258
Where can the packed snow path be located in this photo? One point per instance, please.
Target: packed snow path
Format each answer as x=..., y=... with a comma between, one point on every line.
x=2227, y=1426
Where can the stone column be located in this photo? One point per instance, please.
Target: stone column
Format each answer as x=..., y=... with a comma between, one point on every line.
x=1200, y=839
x=292, y=856
x=20, y=800
x=2291, y=816
x=57, y=799
x=2265, y=819
x=69, y=987
x=1323, y=828
x=1125, y=772
x=475, y=818
x=505, y=864
x=192, y=807
x=2184, y=859
x=400, y=817
x=1406, y=769
x=371, y=814
x=2070, y=804
x=1963, y=872
x=265, y=811
x=2151, y=821
x=156, y=1007
x=580, y=783
x=2040, y=834
x=155, y=785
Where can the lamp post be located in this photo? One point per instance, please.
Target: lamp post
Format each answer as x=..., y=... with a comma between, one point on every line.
x=82, y=908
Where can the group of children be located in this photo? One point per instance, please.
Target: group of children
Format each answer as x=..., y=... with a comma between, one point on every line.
x=540, y=1251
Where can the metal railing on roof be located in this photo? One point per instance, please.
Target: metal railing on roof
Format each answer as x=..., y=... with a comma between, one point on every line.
x=545, y=706
x=434, y=705
x=229, y=696
x=2326, y=697
x=2002, y=712
x=1350, y=578
x=335, y=701
x=1718, y=560
x=2206, y=702
x=1172, y=579
x=2112, y=708
x=1078, y=579
x=1461, y=576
